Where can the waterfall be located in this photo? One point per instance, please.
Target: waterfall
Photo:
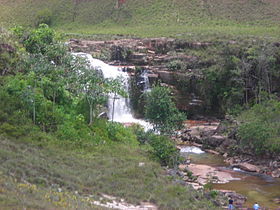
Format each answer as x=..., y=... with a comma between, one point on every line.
x=122, y=111
x=145, y=83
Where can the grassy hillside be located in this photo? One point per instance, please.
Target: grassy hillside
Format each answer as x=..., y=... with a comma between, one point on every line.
x=50, y=177
x=151, y=17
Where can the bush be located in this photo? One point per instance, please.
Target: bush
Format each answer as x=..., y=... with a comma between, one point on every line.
x=260, y=127
x=39, y=39
x=164, y=150
x=117, y=132
x=142, y=136
x=176, y=65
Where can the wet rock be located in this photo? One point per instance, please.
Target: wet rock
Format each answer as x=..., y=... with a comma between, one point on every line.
x=276, y=200
x=276, y=173
x=212, y=152
x=248, y=167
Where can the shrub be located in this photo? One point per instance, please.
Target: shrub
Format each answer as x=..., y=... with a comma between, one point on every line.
x=260, y=127
x=39, y=39
x=117, y=132
x=164, y=150
x=176, y=65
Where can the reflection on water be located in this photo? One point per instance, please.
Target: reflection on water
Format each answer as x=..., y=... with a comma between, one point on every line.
x=257, y=188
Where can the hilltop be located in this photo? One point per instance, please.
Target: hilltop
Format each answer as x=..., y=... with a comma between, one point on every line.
x=177, y=18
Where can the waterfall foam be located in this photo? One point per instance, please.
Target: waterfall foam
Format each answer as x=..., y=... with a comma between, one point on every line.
x=192, y=149
x=122, y=111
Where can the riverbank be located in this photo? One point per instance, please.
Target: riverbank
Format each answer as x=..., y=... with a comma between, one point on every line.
x=243, y=181
x=209, y=136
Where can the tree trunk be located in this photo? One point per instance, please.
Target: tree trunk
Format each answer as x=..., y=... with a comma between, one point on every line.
x=90, y=114
x=113, y=112
x=34, y=112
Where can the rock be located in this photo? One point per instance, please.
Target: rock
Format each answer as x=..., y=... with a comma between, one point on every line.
x=212, y=151
x=227, y=143
x=276, y=173
x=205, y=172
x=183, y=167
x=248, y=167
x=276, y=200
x=214, y=140
x=238, y=199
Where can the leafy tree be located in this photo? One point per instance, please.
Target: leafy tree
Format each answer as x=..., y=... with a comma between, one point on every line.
x=161, y=111
x=115, y=87
x=92, y=86
x=38, y=39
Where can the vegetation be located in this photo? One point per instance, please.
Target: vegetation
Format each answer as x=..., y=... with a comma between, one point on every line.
x=55, y=150
x=259, y=130
x=162, y=148
x=161, y=111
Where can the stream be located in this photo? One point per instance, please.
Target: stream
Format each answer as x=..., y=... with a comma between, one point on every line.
x=256, y=187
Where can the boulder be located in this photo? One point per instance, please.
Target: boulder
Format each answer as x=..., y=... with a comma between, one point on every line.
x=276, y=173
x=276, y=200
x=214, y=140
x=248, y=167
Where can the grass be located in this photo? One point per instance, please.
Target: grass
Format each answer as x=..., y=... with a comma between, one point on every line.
x=112, y=170
x=188, y=19
x=188, y=32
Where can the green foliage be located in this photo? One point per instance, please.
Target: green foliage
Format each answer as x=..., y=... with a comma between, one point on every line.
x=176, y=65
x=117, y=132
x=163, y=148
x=214, y=193
x=232, y=75
x=161, y=111
x=260, y=128
x=208, y=186
x=39, y=39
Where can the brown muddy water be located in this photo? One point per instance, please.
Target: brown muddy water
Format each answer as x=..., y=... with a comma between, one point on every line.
x=256, y=187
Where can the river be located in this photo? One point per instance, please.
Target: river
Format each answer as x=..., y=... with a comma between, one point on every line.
x=256, y=187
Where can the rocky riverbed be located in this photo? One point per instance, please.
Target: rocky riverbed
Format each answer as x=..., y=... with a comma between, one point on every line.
x=207, y=134
x=235, y=176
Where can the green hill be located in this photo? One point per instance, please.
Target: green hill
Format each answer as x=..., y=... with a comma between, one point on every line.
x=150, y=17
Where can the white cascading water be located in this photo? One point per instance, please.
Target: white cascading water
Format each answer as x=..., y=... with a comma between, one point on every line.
x=146, y=82
x=122, y=112
x=192, y=149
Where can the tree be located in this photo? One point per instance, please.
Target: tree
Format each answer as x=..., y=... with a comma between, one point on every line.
x=116, y=87
x=92, y=86
x=160, y=110
x=39, y=39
